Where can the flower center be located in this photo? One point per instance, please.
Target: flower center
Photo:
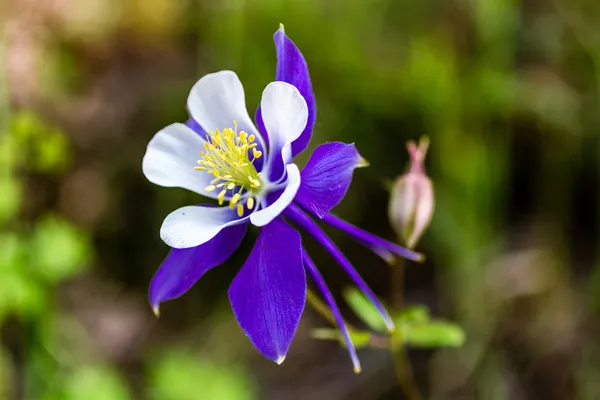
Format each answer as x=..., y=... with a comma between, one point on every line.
x=227, y=158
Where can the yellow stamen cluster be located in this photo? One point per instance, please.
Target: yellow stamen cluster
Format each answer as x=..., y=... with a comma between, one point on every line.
x=226, y=156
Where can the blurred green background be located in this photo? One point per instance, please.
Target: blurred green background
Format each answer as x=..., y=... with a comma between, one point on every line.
x=507, y=90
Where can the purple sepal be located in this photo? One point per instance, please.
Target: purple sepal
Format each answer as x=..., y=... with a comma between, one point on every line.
x=327, y=177
x=183, y=267
x=295, y=214
x=292, y=68
x=268, y=294
x=380, y=246
x=337, y=315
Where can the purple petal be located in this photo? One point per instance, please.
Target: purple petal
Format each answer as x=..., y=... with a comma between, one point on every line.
x=374, y=242
x=295, y=214
x=327, y=177
x=320, y=283
x=195, y=126
x=292, y=68
x=183, y=267
x=268, y=294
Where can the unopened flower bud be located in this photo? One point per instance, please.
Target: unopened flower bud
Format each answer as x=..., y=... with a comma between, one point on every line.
x=412, y=200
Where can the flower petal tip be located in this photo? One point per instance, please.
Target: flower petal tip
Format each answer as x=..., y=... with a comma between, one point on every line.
x=420, y=257
x=362, y=163
x=281, y=28
x=391, y=328
x=156, y=311
x=280, y=359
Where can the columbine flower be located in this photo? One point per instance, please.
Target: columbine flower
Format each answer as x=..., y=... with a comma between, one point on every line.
x=220, y=154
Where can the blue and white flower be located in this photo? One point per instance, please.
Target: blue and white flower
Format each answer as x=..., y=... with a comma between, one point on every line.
x=248, y=169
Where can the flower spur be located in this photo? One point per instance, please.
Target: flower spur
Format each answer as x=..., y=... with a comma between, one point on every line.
x=219, y=153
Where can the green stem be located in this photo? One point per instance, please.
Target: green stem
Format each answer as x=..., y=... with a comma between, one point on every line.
x=402, y=366
x=397, y=284
x=320, y=307
x=404, y=371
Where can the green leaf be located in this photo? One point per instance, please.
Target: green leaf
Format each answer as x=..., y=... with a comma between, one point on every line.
x=412, y=314
x=360, y=339
x=365, y=310
x=59, y=250
x=436, y=333
x=179, y=375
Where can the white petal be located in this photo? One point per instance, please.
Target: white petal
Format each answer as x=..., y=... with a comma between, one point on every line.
x=218, y=99
x=171, y=157
x=284, y=113
x=194, y=225
x=266, y=215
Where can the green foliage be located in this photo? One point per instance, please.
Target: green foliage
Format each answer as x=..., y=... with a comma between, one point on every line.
x=50, y=153
x=413, y=315
x=58, y=249
x=40, y=147
x=414, y=325
x=5, y=376
x=360, y=339
x=435, y=333
x=96, y=383
x=54, y=249
x=417, y=329
x=10, y=200
x=364, y=309
x=36, y=257
x=178, y=375
x=430, y=76
x=92, y=382
x=19, y=293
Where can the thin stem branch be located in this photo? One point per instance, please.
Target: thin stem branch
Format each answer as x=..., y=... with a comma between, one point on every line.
x=404, y=371
x=402, y=366
x=397, y=284
x=320, y=307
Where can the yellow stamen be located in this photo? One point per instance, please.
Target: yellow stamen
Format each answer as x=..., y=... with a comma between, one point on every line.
x=228, y=156
x=255, y=182
x=240, y=209
x=221, y=196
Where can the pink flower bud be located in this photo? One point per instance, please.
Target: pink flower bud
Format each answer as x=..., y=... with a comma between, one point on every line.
x=412, y=199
